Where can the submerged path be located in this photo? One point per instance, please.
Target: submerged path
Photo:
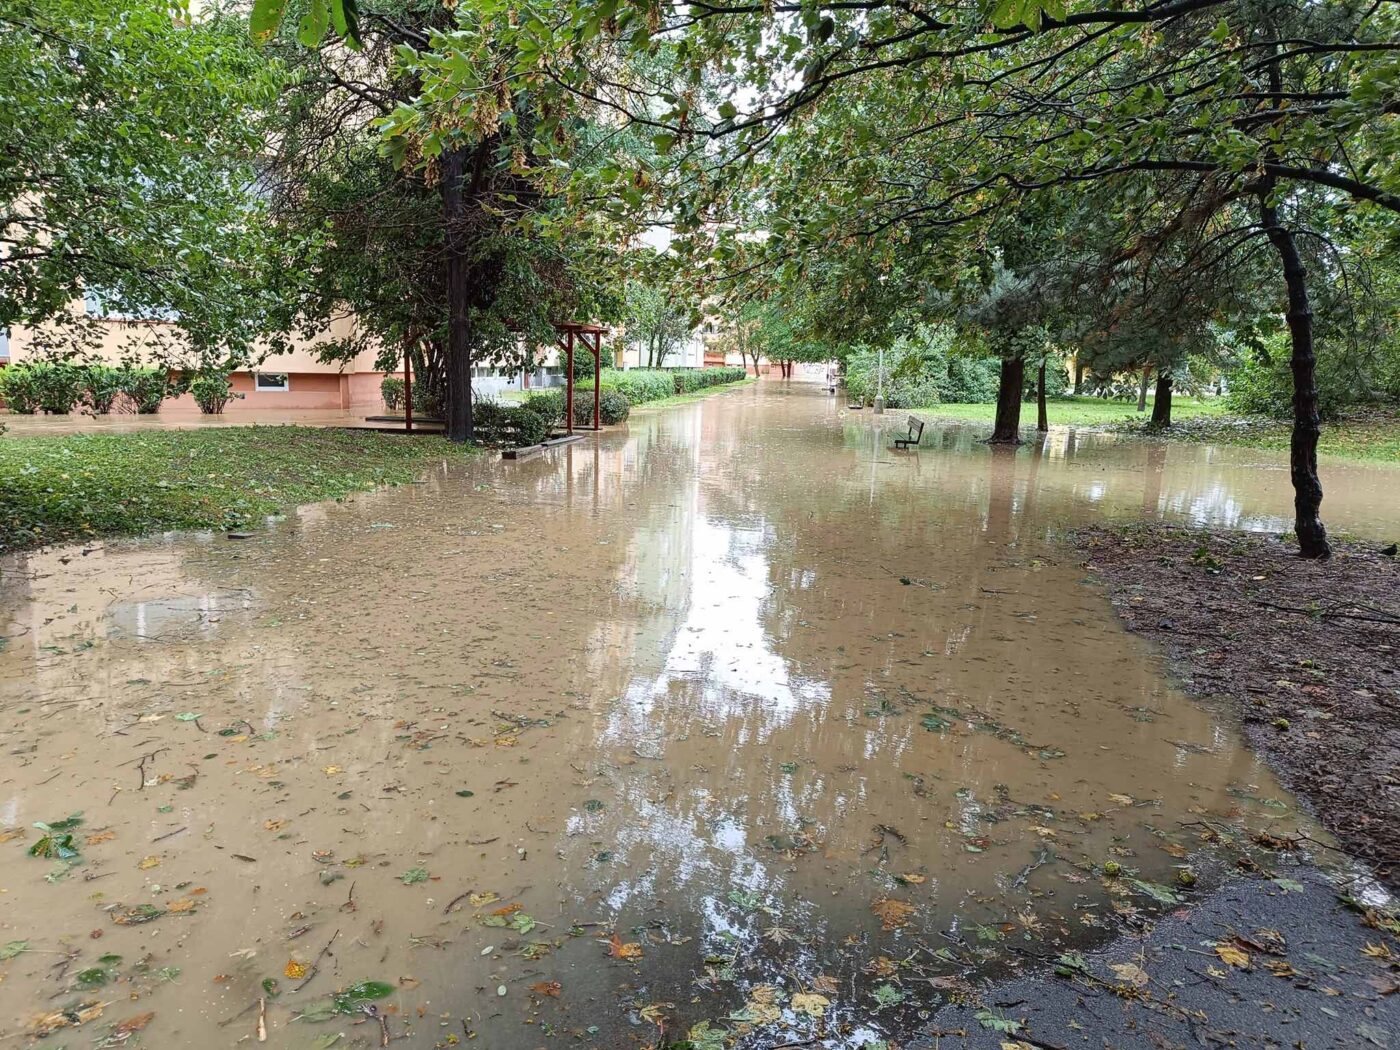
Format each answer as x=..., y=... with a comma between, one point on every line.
x=729, y=724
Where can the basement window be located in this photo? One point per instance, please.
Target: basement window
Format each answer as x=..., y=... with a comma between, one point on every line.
x=271, y=381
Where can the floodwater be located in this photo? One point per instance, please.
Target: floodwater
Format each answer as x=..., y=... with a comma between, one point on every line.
x=729, y=718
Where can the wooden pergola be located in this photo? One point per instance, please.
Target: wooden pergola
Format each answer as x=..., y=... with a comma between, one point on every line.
x=572, y=333
x=569, y=335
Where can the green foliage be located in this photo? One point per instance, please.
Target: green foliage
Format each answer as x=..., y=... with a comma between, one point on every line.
x=548, y=405
x=212, y=391
x=1262, y=385
x=59, y=489
x=58, y=385
x=656, y=322
x=391, y=389
x=640, y=385
x=102, y=385
x=146, y=205
x=147, y=388
x=20, y=389
x=689, y=380
x=613, y=407
x=501, y=424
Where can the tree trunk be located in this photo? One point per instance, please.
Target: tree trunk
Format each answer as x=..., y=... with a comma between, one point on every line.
x=1142, y=388
x=1162, y=401
x=1008, y=425
x=1078, y=376
x=459, y=356
x=1042, y=420
x=1307, y=423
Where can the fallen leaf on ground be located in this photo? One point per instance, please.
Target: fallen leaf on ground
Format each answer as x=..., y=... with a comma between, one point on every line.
x=1233, y=955
x=810, y=1003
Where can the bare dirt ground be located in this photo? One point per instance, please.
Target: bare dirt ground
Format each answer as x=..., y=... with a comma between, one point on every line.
x=1309, y=652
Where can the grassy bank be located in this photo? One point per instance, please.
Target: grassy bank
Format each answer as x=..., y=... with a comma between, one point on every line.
x=1076, y=411
x=1372, y=436
x=83, y=486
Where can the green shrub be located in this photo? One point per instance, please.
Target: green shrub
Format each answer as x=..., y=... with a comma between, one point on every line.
x=548, y=405
x=58, y=386
x=19, y=389
x=146, y=388
x=613, y=407
x=426, y=403
x=688, y=380
x=102, y=385
x=391, y=390
x=1259, y=387
x=212, y=391
x=498, y=424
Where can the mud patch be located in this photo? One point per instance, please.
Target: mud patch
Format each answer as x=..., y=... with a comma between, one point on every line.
x=1308, y=651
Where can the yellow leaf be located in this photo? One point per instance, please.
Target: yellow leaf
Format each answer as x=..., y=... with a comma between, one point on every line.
x=96, y=837
x=1378, y=951
x=6, y=834
x=1233, y=955
x=1122, y=800
x=182, y=905
x=147, y=863
x=331, y=771
x=294, y=970
x=810, y=1003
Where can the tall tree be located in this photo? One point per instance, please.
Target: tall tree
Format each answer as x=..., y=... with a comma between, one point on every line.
x=128, y=172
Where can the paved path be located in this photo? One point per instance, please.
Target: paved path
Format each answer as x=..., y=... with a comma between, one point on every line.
x=1315, y=986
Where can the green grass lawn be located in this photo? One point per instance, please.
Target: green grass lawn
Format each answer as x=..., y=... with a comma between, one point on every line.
x=1372, y=436
x=1076, y=411
x=83, y=486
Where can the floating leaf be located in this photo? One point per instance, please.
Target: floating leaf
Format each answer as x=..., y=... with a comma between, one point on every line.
x=549, y=988
x=187, y=716
x=893, y=914
x=810, y=1003
x=13, y=948
x=618, y=950
x=147, y=863
x=295, y=971
x=594, y=805
x=350, y=999
x=414, y=875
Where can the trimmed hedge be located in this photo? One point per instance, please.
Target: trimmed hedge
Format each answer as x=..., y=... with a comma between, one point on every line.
x=688, y=380
x=613, y=408
x=641, y=385
x=516, y=425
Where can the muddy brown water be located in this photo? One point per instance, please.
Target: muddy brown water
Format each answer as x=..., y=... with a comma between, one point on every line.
x=657, y=730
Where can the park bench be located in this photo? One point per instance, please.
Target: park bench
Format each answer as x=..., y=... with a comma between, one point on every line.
x=916, y=433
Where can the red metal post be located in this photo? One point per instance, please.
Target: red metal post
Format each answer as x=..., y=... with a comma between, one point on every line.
x=407, y=389
x=569, y=373
x=597, y=380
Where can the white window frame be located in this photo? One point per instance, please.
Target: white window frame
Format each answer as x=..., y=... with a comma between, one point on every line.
x=258, y=387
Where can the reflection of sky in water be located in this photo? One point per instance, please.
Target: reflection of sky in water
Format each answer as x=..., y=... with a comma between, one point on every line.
x=721, y=646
